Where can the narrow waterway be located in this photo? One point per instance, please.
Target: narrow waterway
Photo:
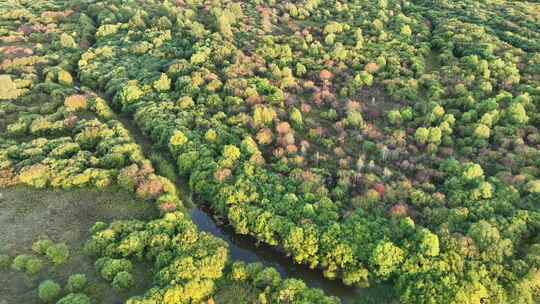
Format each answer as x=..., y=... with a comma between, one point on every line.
x=245, y=248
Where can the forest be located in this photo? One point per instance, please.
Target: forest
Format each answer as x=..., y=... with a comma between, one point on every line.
x=383, y=144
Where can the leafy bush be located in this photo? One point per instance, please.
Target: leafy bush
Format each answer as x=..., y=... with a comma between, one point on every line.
x=75, y=103
x=41, y=246
x=533, y=186
x=58, y=253
x=48, y=291
x=67, y=41
x=76, y=282
x=37, y=176
x=74, y=298
x=65, y=78
x=109, y=268
x=122, y=281
x=19, y=262
x=8, y=90
x=33, y=266
x=178, y=139
x=5, y=261
x=163, y=166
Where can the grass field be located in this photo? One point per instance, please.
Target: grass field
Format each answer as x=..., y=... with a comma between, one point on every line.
x=27, y=215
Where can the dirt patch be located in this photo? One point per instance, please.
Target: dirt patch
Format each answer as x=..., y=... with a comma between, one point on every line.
x=27, y=214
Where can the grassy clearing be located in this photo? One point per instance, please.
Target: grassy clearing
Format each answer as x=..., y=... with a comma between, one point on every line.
x=28, y=214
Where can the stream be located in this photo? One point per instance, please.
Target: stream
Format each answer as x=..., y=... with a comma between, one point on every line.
x=246, y=248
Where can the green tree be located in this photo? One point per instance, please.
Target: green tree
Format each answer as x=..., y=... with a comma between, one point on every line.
x=74, y=298
x=386, y=259
x=58, y=253
x=48, y=290
x=304, y=245
x=163, y=84
x=65, y=78
x=67, y=41
x=482, y=131
x=8, y=89
x=484, y=234
x=421, y=135
x=122, y=281
x=429, y=243
x=177, y=141
x=76, y=282
x=517, y=114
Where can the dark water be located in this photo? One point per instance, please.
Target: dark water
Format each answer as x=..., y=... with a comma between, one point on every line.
x=245, y=248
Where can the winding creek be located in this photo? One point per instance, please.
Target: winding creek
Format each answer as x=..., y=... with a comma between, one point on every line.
x=245, y=248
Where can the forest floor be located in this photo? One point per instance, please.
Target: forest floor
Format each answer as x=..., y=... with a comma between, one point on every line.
x=27, y=214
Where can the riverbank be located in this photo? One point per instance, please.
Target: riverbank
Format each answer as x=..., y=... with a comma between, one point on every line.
x=246, y=248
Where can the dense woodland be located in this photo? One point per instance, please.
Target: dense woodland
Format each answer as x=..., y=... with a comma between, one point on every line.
x=380, y=142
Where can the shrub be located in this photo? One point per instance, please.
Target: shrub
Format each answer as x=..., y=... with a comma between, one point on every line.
x=74, y=298
x=363, y=78
x=109, y=268
x=76, y=282
x=264, y=136
x=58, y=253
x=36, y=176
x=283, y=128
x=177, y=141
x=98, y=226
x=19, y=262
x=263, y=116
x=325, y=75
x=406, y=31
x=438, y=111
x=533, y=186
x=113, y=160
x=163, y=167
x=130, y=94
x=473, y=172
x=149, y=189
x=482, y=131
x=122, y=281
x=163, y=83
x=67, y=41
x=17, y=128
x=8, y=90
x=64, y=78
x=394, y=117
x=5, y=261
x=48, y=290
x=421, y=135
x=127, y=177
x=41, y=246
x=185, y=102
x=435, y=135
x=517, y=114
x=267, y=277
x=231, y=152
x=65, y=150
x=355, y=119
x=33, y=266
x=75, y=103
x=296, y=117
x=386, y=258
